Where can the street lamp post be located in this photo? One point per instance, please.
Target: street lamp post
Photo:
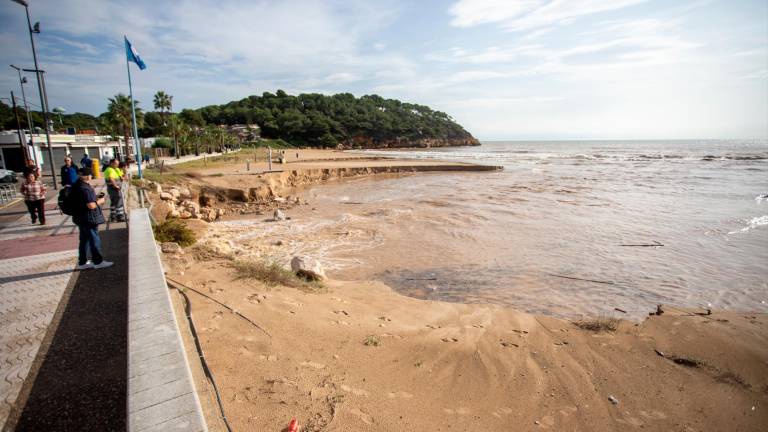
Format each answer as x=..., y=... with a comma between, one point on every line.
x=30, y=126
x=43, y=105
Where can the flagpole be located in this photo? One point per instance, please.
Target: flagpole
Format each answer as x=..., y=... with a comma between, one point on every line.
x=133, y=117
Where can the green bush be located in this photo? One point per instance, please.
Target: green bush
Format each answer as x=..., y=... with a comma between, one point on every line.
x=176, y=231
x=163, y=143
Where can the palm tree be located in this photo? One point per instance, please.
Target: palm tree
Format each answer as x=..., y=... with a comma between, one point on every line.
x=164, y=103
x=119, y=115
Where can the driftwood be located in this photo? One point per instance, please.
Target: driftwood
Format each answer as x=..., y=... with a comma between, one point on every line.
x=421, y=279
x=620, y=310
x=655, y=243
x=580, y=279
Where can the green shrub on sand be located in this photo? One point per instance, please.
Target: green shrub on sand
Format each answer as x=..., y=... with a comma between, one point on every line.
x=176, y=231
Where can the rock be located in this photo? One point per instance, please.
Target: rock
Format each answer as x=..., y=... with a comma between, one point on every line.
x=297, y=200
x=307, y=267
x=170, y=248
x=220, y=212
x=185, y=214
x=279, y=215
x=175, y=193
x=161, y=209
x=173, y=214
x=191, y=206
x=613, y=400
x=156, y=188
x=208, y=214
x=185, y=193
x=165, y=196
x=278, y=199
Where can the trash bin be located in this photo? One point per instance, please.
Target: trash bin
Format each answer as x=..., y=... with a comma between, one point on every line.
x=95, y=168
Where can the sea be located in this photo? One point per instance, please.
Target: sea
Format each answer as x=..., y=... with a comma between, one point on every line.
x=567, y=228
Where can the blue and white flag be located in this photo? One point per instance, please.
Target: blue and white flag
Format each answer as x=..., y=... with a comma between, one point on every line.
x=133, y=55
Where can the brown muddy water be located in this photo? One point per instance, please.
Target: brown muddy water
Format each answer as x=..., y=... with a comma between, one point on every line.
x=559, y=212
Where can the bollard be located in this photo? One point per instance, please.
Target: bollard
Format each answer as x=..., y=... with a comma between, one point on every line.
x=247, y=164
x=95, y=168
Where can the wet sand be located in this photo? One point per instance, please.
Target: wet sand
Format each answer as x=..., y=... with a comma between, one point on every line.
x=358, y=356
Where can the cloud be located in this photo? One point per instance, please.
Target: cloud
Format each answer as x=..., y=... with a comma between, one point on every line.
x=529, y=14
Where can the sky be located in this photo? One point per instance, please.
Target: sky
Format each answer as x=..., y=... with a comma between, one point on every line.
x=504, y=69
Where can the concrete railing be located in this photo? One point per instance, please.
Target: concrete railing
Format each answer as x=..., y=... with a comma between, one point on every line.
x=161, y=391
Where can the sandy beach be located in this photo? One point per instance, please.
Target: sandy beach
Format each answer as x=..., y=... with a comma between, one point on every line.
x=355, y=355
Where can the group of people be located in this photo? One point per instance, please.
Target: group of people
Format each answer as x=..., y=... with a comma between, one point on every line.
x=82, y=200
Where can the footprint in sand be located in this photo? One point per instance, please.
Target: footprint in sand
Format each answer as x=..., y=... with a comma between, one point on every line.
x=459, y=411
x=433, y=327
x=399, y=395
x=253, y=298
x=478, y=326
x=339, y=312
x=502, y=411
x=218, y=314
x=509, y=344
x=313, y=365
x=365, y=417
x=383, y=318
x=452, y=339
x=354, y=391
x=653, y=415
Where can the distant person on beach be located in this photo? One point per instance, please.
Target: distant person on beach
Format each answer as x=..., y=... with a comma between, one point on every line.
x=31, y=167
x=68, y=172
x=113, y=177
x=33, y=191
x=146, y=158
x=86, y=162
x=87, y=216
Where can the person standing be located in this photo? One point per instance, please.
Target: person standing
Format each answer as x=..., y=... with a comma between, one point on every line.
x=87, y=215
x=31, y=167
x=68, y=172
x=33, y=191
x=113, y=177
x=86, y=162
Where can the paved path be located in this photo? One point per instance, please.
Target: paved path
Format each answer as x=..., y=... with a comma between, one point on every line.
x=36, y=265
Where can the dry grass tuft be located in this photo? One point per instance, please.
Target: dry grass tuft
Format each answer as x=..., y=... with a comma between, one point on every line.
x=371, y=340
x=204, y=252
x=601, y=323
x=272, y=274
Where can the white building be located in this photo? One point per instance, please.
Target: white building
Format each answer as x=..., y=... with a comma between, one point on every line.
x=12, y=156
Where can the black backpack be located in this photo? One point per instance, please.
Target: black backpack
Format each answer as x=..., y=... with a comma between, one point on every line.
x=65, y=201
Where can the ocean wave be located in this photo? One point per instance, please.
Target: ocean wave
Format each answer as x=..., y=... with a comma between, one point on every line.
x=541, y=157
x=753, y=223
x=761, y=198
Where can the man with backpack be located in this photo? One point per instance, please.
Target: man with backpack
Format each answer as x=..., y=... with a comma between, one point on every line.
x=82, y=203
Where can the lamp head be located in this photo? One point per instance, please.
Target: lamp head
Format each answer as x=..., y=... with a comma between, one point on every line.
x=23, y=80
x=21, y=2
x=36, y=27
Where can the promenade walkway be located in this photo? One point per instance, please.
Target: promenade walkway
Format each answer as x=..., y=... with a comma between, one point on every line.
x=41, y=297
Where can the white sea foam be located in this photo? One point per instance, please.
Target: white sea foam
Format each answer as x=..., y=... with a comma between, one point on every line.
x=752, y=224
x=761, y=198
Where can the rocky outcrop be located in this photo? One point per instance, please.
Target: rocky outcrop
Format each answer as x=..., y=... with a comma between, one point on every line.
x=370, y=143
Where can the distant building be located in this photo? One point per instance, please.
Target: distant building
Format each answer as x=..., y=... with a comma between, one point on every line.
x=12, y=156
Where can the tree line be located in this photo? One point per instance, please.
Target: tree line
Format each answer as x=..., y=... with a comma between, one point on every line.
x=312, y=119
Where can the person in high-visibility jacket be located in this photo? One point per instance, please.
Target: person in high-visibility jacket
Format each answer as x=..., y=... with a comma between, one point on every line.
x=113, y=177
